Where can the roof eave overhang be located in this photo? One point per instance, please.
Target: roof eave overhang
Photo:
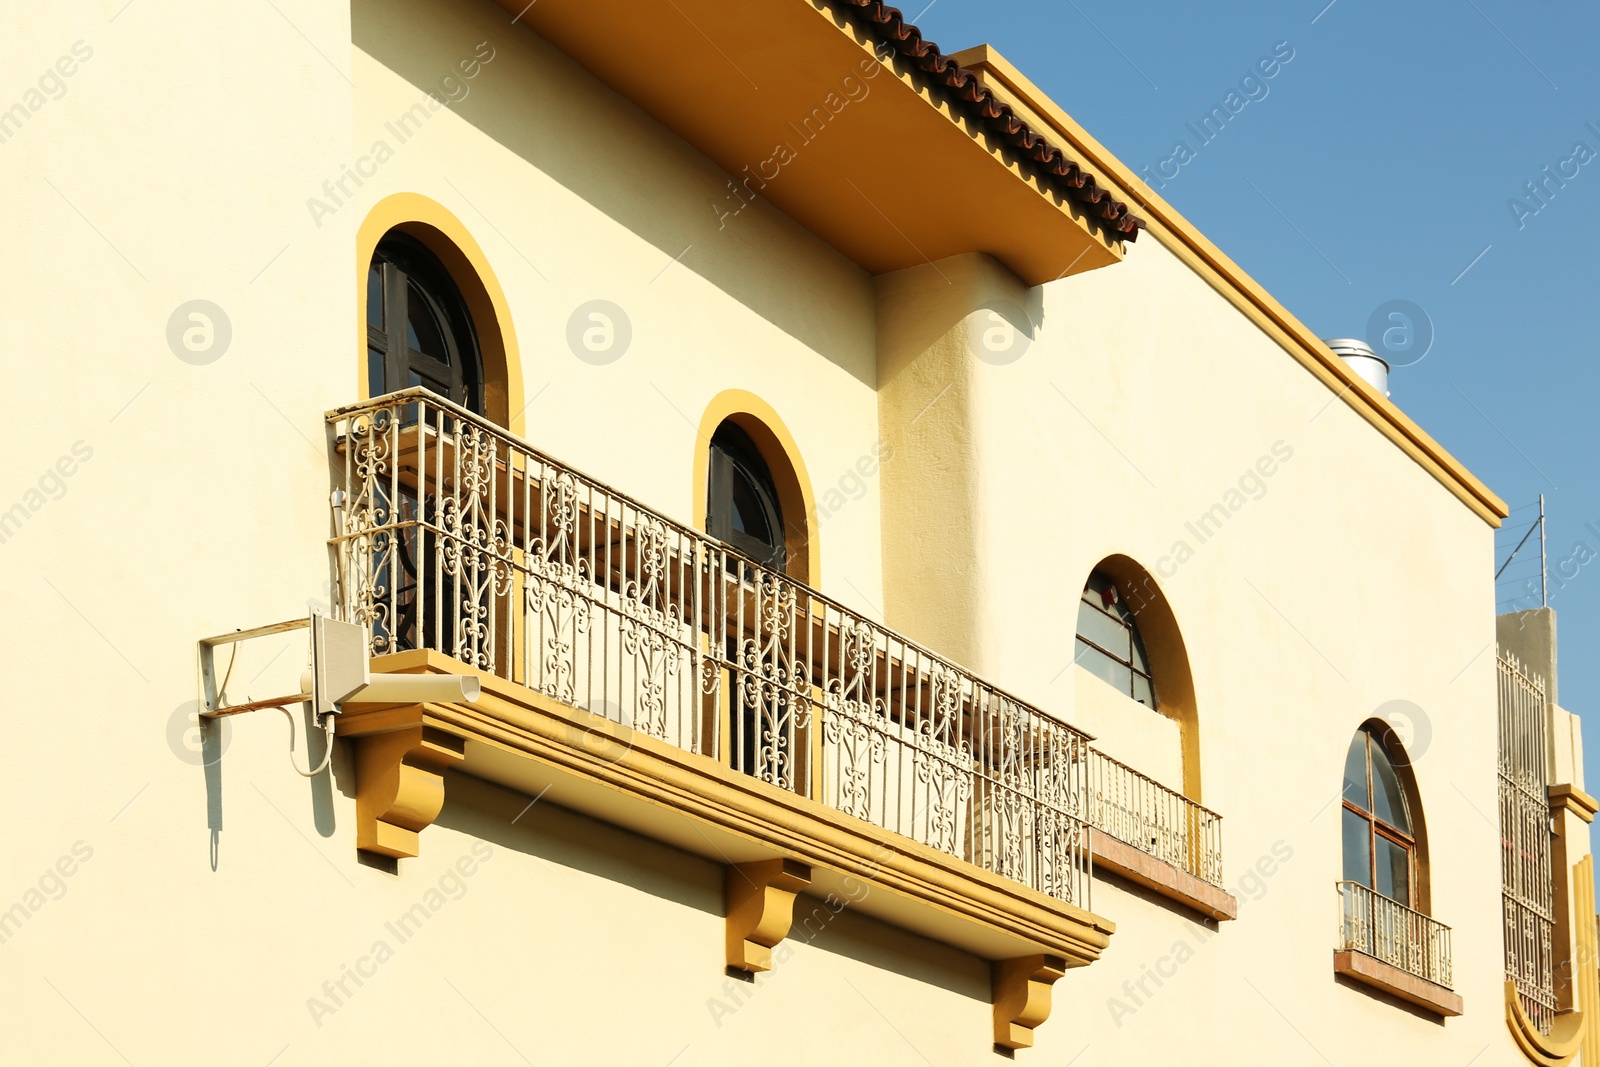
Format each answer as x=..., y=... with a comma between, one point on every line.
x=840, y=115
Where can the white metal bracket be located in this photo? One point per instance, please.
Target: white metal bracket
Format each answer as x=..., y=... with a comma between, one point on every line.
x=340, y=673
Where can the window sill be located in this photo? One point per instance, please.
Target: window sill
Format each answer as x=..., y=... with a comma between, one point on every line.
x=1367, y=970
x=1160, y=877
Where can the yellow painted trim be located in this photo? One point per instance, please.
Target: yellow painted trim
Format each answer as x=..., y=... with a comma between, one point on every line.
x=605, y=769
x=1186, y=241
x=1571, y=798
x=757, y=418
x=1554, y=1050
x=1587, y=962
x=446, y=237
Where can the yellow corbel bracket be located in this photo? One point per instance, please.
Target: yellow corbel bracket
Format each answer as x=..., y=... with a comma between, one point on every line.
x=400, y=786
x=1021, y=989
x=760, y=901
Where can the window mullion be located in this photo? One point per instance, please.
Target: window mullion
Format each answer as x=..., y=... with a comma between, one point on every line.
x=395, y=317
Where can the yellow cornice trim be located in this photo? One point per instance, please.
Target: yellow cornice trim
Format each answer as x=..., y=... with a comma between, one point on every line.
x=1571, y=798
x=528, y=725
x=1179, y=235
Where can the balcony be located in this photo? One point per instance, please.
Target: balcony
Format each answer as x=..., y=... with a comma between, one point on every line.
x=644, y=641
x=1390, y=947
x=1156, y=837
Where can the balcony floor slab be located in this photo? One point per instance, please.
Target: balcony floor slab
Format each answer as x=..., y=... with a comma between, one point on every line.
x=1370, y=971
x=530, y=742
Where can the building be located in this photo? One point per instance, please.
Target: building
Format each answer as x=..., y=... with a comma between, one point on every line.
x=920, y=597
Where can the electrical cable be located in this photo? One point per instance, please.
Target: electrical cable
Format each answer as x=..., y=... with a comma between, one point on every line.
x=327, y=755
x=233, y=654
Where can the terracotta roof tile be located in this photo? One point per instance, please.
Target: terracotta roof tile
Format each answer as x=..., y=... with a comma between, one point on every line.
x=886, y=25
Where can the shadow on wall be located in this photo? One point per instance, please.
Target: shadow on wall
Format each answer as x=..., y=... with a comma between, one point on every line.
x=214, y=741
x=605, y=150
x=560, y=836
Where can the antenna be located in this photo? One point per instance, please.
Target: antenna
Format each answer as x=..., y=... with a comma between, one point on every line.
x=1522, y=578
x=1544, y=570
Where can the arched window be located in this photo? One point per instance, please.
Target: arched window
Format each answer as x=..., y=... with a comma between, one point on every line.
x=767, y=737
x=418, y=329
x=742, y=505
x=1380, y=841
x=1109, y=644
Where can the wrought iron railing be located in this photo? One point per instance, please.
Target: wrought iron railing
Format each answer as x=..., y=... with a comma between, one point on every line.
x=455, y=536
x=1527, y=879
x=1136, y=809
x=1371, y=923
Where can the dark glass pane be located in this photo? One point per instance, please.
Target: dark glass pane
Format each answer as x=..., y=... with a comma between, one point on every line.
x=1357, y=833
x=1103, y=630
x=375, y=374
x=423, y=332
x=1142, y=691
x=749, y=515
x=375, y=297
x=1355, y=772
x=1394, y=871
x=1140, y=660
x=416, y=379
x=1388, y=803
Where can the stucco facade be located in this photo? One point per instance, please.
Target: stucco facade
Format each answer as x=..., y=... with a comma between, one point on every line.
x=184, y=902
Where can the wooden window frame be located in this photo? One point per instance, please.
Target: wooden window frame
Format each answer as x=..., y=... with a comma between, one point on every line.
x=1377, y=828
x=1130, y=625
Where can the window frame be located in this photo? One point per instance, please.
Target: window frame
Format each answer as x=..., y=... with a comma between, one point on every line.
x=405, y=265
x=732, y=451
x=1130, y=626
x=1380, y=828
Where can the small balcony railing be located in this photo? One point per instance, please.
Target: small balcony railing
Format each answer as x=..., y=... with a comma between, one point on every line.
x=455, y=536
x=1142, y=812
x=1385, y=930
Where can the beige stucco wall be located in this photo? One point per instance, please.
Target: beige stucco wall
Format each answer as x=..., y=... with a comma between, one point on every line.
x=576, y=195
x=214, y=905
x=1337, y=580
x=1126, y=730
x=1348, y=584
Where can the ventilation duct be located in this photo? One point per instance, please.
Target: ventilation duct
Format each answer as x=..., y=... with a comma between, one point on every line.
x=1359, y=357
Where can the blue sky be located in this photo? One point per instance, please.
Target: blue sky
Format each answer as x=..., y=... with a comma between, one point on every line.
x=1378, y=165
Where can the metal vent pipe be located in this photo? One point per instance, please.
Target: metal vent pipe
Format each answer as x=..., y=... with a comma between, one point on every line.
x=1359, y=357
